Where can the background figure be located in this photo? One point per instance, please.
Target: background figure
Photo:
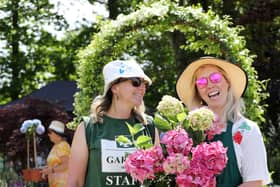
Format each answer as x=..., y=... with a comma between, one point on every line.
x=57, y=161
x=96, y=157
x=219, y=85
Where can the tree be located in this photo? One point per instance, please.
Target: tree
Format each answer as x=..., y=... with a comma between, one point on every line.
x=23, y=33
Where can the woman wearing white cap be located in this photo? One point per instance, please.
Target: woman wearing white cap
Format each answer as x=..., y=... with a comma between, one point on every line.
x=97, y=159
x=219, y=85
x=57, y=161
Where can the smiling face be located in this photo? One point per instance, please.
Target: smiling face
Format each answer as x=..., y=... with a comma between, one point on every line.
x=129, y=92
x=212, y=87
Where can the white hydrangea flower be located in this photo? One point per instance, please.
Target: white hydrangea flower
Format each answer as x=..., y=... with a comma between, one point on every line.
x=201, y=118
x=170, y=106
x=36, y=124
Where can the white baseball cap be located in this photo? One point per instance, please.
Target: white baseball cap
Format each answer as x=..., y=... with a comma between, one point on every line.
x=57, y=126
x=122, y=69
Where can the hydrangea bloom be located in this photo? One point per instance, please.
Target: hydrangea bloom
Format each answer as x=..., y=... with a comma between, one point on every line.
x=170, y=106
x=216, y=128
x=201, y=118
x=143, y=164
x=194, y=178
x=175, y=163
x=210, y=157
x=177, y=141
x=28, y=126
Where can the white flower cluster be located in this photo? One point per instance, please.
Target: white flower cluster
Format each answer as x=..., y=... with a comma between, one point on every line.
x=170, y=106
x=201, y=118
x=29, y=125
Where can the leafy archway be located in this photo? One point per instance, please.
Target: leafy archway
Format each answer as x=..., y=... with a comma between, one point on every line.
x=203, y=31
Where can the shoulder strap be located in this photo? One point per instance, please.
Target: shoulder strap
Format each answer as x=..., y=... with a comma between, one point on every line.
x=86, y=120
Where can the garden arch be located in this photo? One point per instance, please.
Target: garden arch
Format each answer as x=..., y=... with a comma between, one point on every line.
x=203, y=30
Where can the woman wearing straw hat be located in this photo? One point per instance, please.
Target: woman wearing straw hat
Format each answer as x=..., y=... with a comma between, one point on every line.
x=57, y=161
x=219, y=85
x=96, y=157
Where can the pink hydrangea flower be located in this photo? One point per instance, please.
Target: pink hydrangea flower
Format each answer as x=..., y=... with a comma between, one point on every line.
x=210, y=157
x=195, y=178
x=177, y=141
x=143, y=164
x=176, y=163
x=156, y=153
x=216, y=128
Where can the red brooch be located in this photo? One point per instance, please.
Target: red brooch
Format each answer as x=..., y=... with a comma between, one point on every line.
x=237, y=137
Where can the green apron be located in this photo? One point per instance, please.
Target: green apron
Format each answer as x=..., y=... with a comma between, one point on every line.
x=230, y=177
x=106, y=156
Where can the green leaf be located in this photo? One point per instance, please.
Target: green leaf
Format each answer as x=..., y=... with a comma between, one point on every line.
x=181, y=117
x=144, y=142
x=161, y=123
x=138, y=127
x=196, y=135
x=123, y=139
x=186, y=124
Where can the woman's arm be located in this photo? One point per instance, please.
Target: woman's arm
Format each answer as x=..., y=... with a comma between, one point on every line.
x=78, y=158
x=252, y=184
x=253, y=160
x=57, y=168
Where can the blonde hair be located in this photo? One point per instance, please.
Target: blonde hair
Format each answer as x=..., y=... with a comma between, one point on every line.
x=101, y=105
x=234, y=107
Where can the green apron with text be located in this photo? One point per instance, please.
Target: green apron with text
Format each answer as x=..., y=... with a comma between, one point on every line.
x=106, y=156
x=230, y=177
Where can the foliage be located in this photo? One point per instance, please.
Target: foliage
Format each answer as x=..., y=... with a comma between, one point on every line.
x=261, y=20
x=204, y=31
x=30, y=54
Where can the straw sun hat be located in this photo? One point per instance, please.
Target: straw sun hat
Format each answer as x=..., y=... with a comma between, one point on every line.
x=236, y=76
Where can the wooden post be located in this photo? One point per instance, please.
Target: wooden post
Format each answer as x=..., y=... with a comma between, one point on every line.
x=27, y=147
x=35, y=149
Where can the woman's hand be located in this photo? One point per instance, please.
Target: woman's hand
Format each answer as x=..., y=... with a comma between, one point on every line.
x=46, y=171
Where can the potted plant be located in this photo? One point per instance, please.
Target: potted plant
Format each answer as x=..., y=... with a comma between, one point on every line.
x=30, y=128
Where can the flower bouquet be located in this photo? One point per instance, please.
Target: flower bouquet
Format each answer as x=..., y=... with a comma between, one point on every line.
x=30, y=128
x=182, y=158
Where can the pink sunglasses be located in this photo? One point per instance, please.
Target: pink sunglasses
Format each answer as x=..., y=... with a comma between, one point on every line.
x=215, y=78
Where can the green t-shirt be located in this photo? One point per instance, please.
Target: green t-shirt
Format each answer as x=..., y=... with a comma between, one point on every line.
x=106, y=155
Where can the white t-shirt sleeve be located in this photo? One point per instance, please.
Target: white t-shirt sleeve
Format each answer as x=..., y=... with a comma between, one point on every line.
x=253, y=162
